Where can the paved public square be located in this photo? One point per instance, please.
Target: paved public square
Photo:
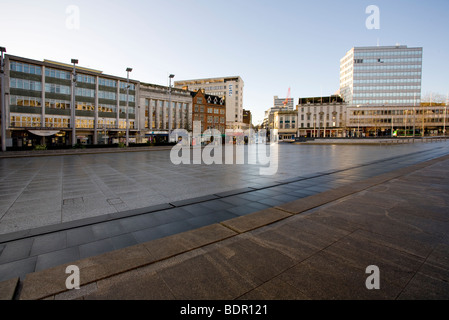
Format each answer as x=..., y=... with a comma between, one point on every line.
x=45, y=191
x=61, y=209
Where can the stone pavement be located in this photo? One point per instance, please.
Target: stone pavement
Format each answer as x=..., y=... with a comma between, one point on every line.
x=317, y=247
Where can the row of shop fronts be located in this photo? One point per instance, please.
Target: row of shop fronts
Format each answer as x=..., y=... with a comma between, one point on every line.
x=54, y=139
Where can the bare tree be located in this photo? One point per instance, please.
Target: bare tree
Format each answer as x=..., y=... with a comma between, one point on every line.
x=434, y=97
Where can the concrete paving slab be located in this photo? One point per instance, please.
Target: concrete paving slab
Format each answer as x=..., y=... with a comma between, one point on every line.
x=274, y=289
x=139, y=284
x=187, y=241
x=207, y=276
x=255, y=220
x=53, y=280
x=8, y=289
x=423, y=287
x=395, y=266
x=321, y=278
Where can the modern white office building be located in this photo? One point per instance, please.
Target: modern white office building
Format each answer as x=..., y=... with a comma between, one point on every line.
x=381, y=76
x=229, y=87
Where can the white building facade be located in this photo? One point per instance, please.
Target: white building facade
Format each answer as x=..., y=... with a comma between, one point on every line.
x=381, y=76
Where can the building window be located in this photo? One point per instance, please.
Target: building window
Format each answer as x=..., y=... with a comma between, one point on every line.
x=25, y=101
x=107, y=95
x=58, y=74
x=56, y=88
x=25, y=68
x=107, y=83
x=25, y=84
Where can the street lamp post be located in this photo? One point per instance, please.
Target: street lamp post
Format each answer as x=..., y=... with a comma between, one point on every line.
x=414, y=115
x=444, y=126
x=2, y=97
x=170, y=116
x=405, y=118
x=128, y=70
x=358, y=122
x=73, y=111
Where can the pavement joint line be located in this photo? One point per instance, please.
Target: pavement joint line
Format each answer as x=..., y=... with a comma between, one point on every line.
x=400, y=172
x=414, y=275
x=25, y=234
x=75, y=153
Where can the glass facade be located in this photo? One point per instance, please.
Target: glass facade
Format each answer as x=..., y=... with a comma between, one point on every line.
x=381, y=76
x=41, y=98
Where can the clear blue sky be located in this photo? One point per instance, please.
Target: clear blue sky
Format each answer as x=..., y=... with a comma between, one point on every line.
x=272, y=45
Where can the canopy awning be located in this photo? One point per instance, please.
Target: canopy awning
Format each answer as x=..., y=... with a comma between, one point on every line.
x=44, y=133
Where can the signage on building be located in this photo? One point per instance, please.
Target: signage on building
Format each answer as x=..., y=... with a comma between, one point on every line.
x=230, y=90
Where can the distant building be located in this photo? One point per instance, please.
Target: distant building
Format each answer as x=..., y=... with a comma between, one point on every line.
x=283, y=103
x=381, y=76
x=39, y=106
x=247, y=118
x=154, y=116
x=322, y=117
x=39, y=103
x=209, y=110
x=230, y=88
x=285, y=121
x=425, y=119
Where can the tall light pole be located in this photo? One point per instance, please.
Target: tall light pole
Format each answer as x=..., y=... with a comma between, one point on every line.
x=170, y=124
x=358, y=121
x=128, y=70
x=414, y=115
x=444, y=126
x=73, y=120
x=405, y=118
x=3, y=102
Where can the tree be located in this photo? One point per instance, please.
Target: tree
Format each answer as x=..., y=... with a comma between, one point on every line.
x=434, y=98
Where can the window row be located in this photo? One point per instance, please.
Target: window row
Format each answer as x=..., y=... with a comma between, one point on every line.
x=124, y=96
x=58, y=88
x=384, y=94
x=58, y=74
x=367, y=81
x=388, y=53
x=411, y=112
x=25, y=101
x=25, y=68
x=124, y=85
x=387, y=67
x=107, y=83
x=25, y=84
x=287, y=126
x=107, y=108
x=211, y=119
x=388, y=74
x=318, y=125
x=130, y=110
x=84, y=92
x=387, y=60
x=85, y=78
x=362, y=88
x=57, y=104
x=107, y=95
x=387, y=101
x=64, y=123
x=215, y=111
